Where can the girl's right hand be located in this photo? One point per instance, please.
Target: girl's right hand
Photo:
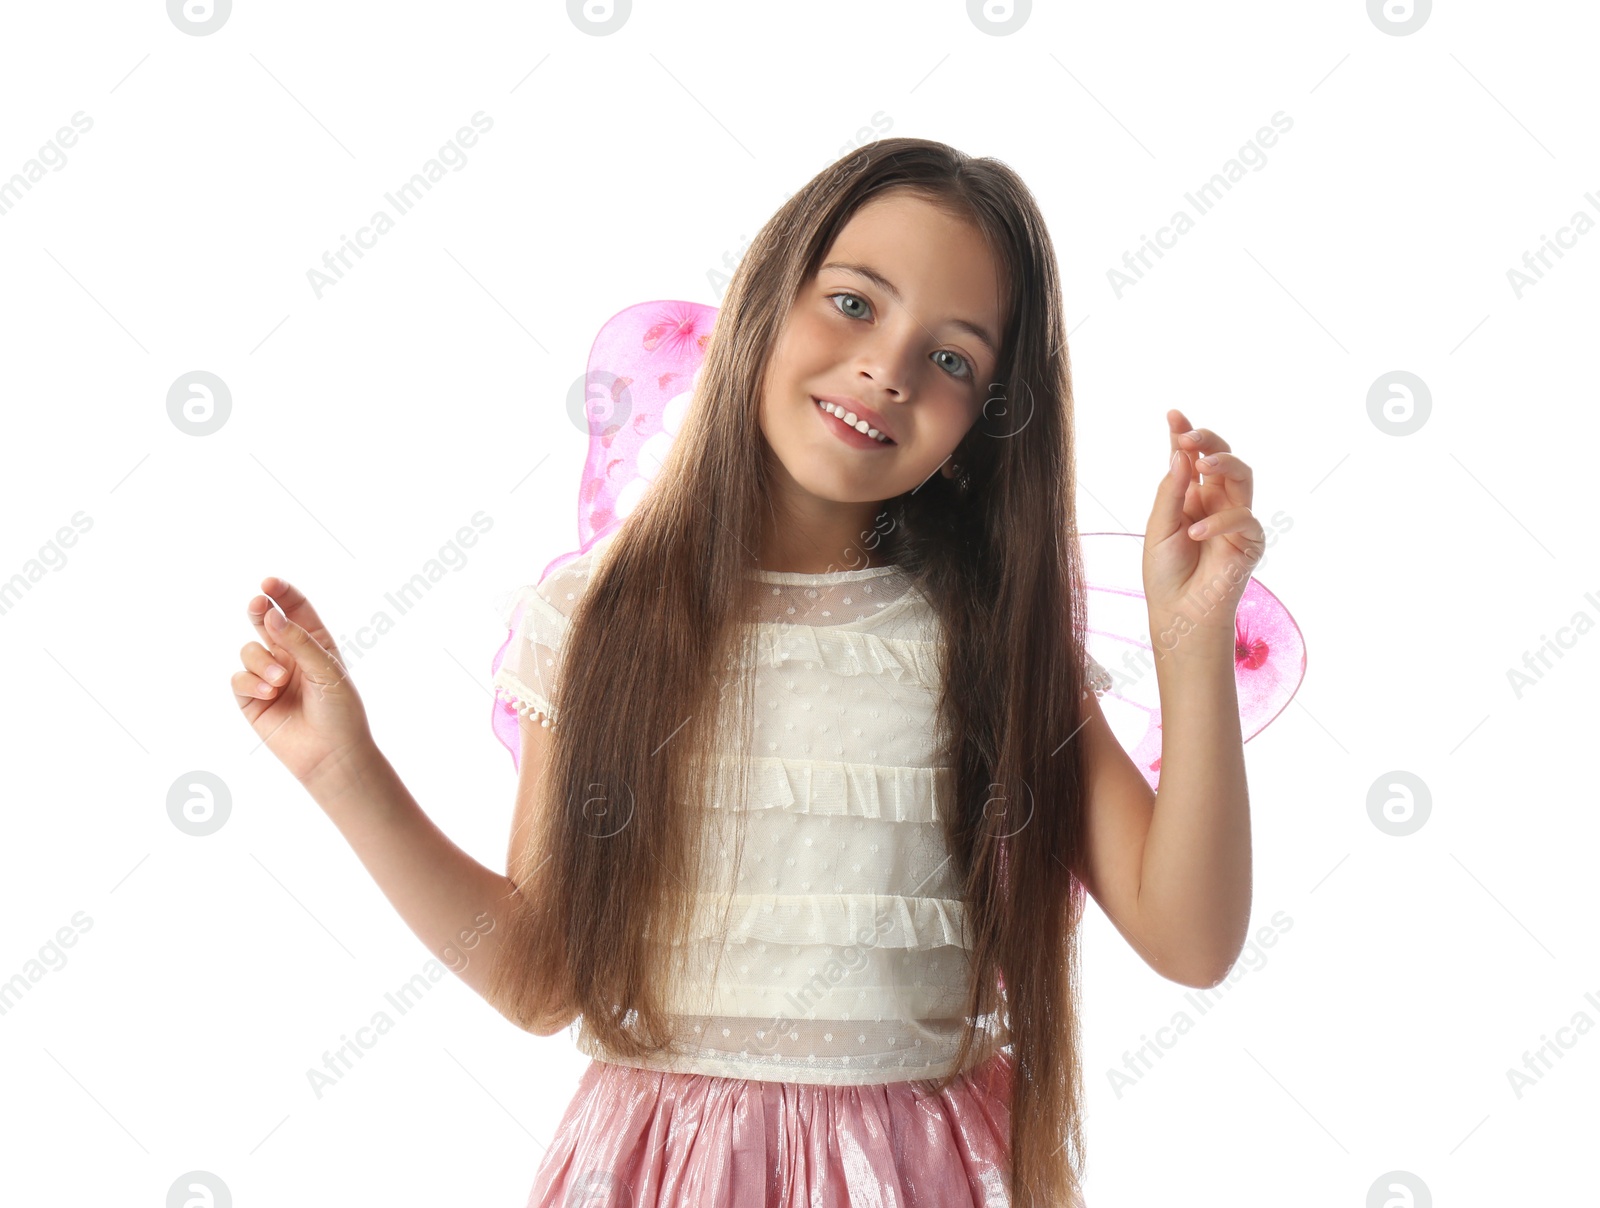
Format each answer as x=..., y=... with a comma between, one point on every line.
x=295, y=691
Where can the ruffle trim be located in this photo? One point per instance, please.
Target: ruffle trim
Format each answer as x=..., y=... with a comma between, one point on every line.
x=1099, y=679
x=533, y=618
x=840, y=651
x=830, y=920
x=527, y=701
x=844, y=652
x=838, y=789
x=850, y=651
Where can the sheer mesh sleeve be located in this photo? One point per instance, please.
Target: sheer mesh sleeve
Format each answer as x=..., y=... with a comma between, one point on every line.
x=538, y=615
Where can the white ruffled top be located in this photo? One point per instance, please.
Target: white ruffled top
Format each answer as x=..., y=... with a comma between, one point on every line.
x=833, y=950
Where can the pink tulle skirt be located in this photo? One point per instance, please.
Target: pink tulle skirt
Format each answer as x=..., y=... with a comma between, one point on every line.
x=635, y=1138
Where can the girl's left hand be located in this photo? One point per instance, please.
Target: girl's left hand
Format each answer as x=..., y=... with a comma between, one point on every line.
x=1193, y=580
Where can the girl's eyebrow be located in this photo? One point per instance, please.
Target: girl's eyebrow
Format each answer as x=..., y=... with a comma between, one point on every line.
x=888, y=287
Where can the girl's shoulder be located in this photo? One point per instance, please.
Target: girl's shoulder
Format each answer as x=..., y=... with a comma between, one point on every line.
x=563, y=583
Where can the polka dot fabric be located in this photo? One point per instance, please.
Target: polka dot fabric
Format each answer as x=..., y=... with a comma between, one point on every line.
x=830, y=948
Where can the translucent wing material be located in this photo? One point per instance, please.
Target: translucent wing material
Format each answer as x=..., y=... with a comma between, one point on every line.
x=640, y=377
x=641, y=374
x=1269, y=659
x=639, y=383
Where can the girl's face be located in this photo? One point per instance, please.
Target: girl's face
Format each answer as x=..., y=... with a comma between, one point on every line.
x=901, y=325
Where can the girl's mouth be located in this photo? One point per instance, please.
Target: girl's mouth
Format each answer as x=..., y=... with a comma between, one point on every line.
x=858, y=433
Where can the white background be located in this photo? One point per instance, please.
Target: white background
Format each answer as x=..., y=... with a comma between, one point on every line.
x=430, y=384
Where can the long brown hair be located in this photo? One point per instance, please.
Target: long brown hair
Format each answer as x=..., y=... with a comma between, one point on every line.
x=607, y=888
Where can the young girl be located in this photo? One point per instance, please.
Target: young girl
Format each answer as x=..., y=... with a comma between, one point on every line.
x=811, y=784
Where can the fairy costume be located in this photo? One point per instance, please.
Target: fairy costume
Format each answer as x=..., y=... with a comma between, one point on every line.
x=828, y=969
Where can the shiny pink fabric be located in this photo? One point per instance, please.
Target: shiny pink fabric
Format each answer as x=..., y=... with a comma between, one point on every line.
x=634, y=1138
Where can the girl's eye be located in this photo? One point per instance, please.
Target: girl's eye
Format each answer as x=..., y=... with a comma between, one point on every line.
x=855, y=297
x=966, y=368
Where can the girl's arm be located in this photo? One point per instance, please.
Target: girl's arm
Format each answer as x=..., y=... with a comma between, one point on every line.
x=456, y=906
x=297, y=695
x=1172, y=869
x=1195, y=869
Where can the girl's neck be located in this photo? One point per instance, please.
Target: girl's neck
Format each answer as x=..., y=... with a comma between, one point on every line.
x=847, y=538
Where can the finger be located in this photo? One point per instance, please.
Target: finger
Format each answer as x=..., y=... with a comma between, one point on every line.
x=1195, y=441
x=1203, y=498
x=295, y=606
x=316, y=663
x=257, y=611
x=1233, y=475
x=262, y=663
x=1203, y=440
x=1166, y=515
x=1230, y=520
x=247, y=687
x=1177, y=425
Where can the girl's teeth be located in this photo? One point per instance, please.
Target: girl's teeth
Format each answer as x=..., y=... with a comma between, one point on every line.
x=861, y=425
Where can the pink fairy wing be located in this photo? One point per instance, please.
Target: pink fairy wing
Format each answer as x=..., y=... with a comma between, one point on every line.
x=640, y=377
x=1269, y=651
x=641, y=373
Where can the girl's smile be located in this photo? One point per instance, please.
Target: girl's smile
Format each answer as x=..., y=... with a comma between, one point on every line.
x=852, y=424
